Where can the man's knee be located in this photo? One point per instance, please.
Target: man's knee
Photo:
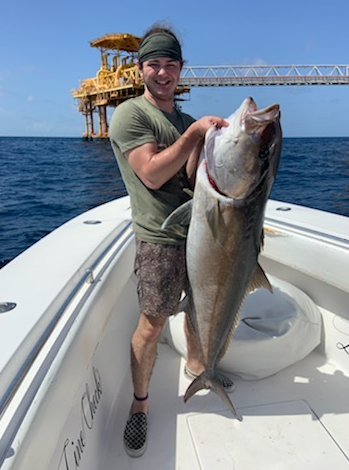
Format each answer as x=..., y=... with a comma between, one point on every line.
x=150, y=327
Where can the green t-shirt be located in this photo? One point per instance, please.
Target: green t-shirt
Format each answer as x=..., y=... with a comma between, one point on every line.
x=136, y=122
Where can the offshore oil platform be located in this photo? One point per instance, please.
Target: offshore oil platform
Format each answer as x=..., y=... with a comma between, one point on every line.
x=117, y=80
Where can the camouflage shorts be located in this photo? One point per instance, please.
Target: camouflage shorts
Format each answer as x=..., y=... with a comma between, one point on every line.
x=162, y=277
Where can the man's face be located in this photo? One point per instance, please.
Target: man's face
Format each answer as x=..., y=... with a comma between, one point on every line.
x=161, y=76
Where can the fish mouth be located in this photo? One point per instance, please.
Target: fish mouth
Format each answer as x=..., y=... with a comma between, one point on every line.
x=251, y=119
x=254, y=120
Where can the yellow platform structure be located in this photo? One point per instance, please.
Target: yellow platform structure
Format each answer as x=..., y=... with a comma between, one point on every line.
x=117, y=80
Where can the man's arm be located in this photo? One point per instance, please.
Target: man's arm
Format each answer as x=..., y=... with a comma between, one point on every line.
x=192, y=163
x=155, y=168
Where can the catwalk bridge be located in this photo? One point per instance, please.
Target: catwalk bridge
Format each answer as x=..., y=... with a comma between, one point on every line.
x=118, y=78
x=249, y=75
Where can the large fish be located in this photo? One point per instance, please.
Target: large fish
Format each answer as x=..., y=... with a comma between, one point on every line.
x=233, y=182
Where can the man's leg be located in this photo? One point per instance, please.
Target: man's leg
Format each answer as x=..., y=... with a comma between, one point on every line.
x=143, y=355
x=161, y=274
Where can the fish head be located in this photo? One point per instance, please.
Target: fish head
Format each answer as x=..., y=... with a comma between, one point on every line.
x=240, y=156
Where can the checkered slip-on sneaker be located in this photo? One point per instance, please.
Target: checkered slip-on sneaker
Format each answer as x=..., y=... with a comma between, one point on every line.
x=135, y=434
x=227, y=383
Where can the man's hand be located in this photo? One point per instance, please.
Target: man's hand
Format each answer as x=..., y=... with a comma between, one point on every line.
x=201, y=126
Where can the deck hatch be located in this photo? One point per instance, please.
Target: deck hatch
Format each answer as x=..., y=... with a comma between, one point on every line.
x=278, y=436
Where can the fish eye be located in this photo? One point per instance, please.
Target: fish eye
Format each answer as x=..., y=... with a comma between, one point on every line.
x=263, y=153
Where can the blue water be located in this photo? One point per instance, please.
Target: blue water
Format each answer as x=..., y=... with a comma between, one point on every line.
x=46, y=181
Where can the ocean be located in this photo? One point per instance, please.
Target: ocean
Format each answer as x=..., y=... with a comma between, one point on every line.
x=44, y=182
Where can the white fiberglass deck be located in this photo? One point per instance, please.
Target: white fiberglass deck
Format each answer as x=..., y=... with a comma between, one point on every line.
x=293, y=420
x=76, y=309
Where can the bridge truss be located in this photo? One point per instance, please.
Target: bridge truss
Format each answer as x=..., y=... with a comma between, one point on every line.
x=249, y=75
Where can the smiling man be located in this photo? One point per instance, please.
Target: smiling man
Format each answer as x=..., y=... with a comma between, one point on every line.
x=157, y=147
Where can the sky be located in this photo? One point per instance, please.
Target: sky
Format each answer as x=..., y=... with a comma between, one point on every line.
x=45, y=51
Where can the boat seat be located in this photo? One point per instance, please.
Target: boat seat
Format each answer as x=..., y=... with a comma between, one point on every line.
x=275, y=331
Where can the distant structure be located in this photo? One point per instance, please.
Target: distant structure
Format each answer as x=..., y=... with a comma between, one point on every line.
x=255, y=75
x=118, y=79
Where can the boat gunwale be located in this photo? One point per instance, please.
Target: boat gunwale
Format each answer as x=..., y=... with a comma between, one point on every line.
x=90, y=277
x=311, y=233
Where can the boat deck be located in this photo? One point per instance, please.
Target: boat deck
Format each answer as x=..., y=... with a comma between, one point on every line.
x=72, y=326
x=294, y=419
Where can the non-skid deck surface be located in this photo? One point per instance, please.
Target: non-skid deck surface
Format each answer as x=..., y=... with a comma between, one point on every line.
x=283, y=435
x=296, y=419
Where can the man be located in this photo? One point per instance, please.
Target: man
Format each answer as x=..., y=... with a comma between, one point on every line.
x=157, y=149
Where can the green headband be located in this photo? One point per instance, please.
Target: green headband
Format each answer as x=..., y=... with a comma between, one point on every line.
x=159, y=45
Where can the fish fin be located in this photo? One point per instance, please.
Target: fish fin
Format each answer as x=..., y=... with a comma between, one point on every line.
x=260, y=279
x=197, y=384
x=181, y=215
x=219, y=390
x=212, y=216
x=204, y=382
x=216, y=223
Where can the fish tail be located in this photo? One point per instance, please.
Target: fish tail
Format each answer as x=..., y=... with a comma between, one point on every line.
x=204, y=382
x=197, y=384
x=219, y=390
